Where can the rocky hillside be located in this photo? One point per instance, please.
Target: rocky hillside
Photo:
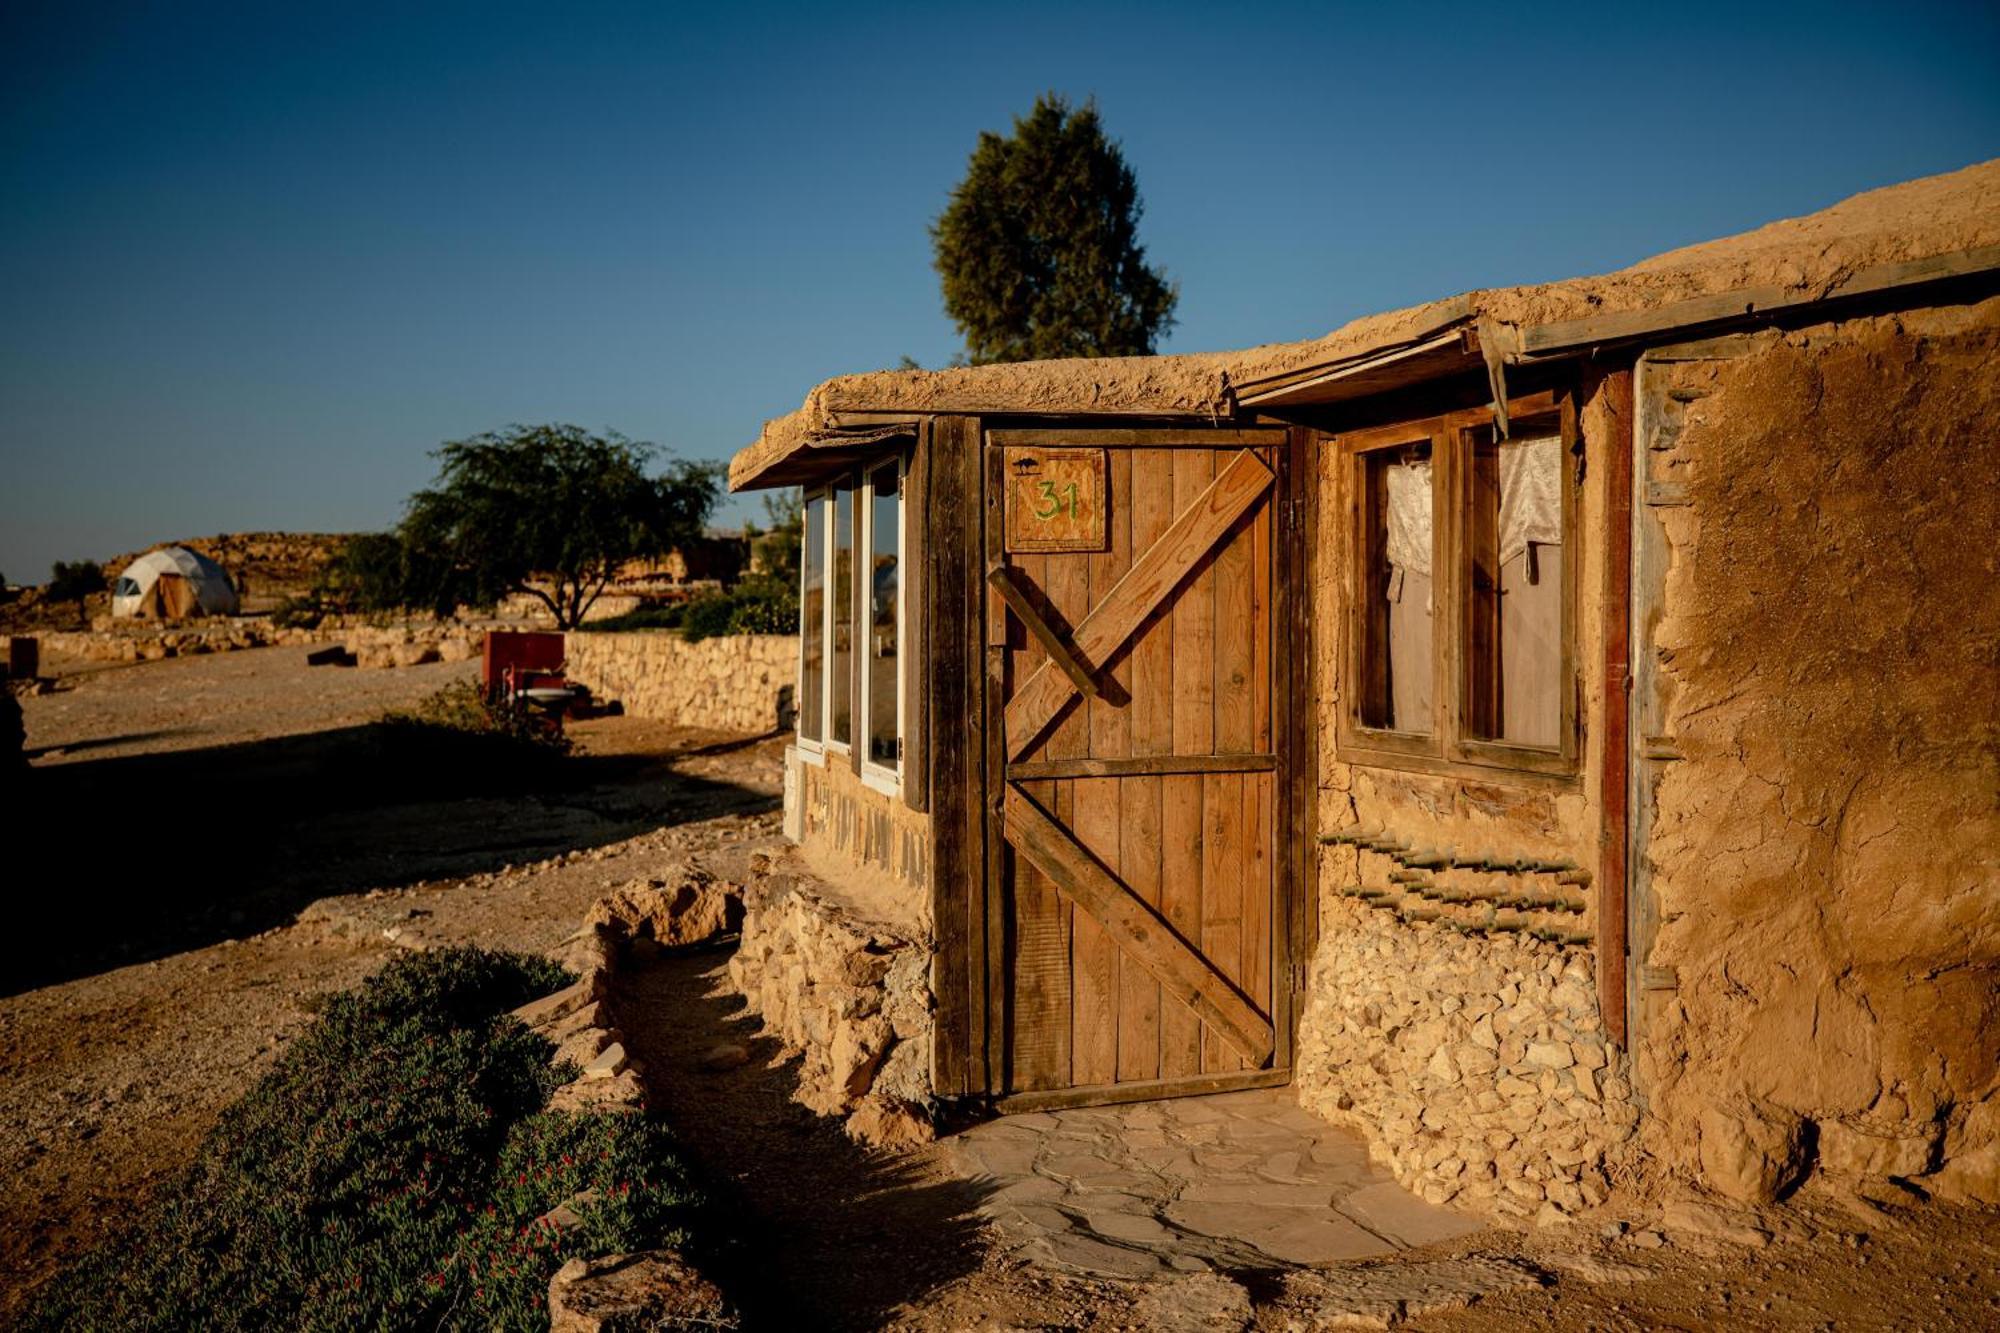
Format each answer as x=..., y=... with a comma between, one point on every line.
x=266, y=567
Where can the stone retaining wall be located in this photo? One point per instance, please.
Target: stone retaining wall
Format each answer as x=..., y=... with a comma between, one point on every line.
x=1476, y=1065
x=735, y=682
x=851, y=997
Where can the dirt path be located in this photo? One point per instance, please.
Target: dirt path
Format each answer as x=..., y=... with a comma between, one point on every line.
x=161, y=975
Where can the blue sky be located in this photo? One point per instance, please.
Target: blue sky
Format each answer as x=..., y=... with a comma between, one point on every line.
x=256, y=261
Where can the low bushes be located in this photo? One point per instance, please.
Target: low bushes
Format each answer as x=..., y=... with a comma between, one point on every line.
x=756, y=605
x=455, y=740
x=390, y=1173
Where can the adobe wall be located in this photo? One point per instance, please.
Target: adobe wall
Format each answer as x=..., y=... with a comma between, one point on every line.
x=1451, y=1010
x=734, y=682
x=847, y=826
x=1827, y=849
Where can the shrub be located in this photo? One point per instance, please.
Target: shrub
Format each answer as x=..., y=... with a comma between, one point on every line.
x=388, y=1172
x=72, y=582
x=666, y=616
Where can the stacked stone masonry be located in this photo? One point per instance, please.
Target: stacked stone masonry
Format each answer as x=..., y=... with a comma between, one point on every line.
x=1477, y=1065
x=737, y=682
x=851, y=997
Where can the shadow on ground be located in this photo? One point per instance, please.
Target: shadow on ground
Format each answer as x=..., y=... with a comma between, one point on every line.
x=827, y=1235
x=120, y=860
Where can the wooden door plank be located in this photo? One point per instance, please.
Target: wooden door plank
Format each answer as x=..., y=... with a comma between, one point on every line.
x=1258, y=801
x=1141, y=798
x=1110, y=717
x=1152, y=509
x=1193, y=726
x=1182, y=972
x=1150, y=581
x=1039, y=1008
x=1180, y=904
x=1139, y=867
x=1260, y=626
x=1194, y=626
x=1067, y=583
x=1223, y=845
x=1094, y=953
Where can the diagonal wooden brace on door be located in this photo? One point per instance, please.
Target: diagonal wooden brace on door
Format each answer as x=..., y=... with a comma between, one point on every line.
x=1059, y=649
x=1141, y=932
x=1150, y=581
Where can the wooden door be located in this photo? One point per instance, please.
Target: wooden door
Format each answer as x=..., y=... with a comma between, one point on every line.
x=1141, y=770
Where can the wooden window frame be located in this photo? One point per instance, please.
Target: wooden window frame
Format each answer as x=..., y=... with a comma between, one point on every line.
x=1449, y=750
x=813, y=748
x=887, y=779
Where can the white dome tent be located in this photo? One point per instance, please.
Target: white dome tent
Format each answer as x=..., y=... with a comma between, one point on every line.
x=173, y=583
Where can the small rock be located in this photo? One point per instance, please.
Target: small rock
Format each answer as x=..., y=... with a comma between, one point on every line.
x=652, y=1289
x=1196, y=1304
x=610, y=1062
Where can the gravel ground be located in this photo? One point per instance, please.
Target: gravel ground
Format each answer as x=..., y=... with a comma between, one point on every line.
x=190, y=703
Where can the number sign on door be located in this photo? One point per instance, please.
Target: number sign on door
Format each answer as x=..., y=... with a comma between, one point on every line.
x=1055, y=500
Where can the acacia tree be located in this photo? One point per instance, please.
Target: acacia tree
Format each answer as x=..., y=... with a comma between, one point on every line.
x=1039, y=251
x=551, y=511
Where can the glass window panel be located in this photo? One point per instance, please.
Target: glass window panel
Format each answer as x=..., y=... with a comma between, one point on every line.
x=884, y=596
x=1514, y=536
x=1396, y=546
x=841, y=590
x=812, y=623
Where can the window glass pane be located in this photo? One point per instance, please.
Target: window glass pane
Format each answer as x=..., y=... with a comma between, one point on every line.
x=812, y=622
x=1396, y=611
x=841, y=590
x=1514, y=591
x=885, y=588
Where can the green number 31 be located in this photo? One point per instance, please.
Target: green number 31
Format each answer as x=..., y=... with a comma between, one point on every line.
x=1056, y=502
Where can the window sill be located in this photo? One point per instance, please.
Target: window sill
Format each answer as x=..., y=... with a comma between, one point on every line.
x=1549, y=777
x=885, y=780
x=812, y=752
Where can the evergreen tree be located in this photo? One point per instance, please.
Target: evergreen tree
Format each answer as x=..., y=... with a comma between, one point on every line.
x=1039, y=250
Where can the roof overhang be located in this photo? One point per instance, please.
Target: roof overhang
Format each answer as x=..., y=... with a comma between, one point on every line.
x=814, y=458
x=1453, y=349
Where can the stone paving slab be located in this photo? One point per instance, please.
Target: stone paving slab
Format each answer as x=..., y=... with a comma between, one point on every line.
x=1239, y=1181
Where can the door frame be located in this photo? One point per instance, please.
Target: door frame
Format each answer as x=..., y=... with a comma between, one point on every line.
x=1293, y=738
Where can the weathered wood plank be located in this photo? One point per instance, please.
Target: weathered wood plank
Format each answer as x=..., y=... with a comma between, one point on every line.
x=1107, y=1094
x=1094, y=953
x=1144, y=765
x=949, y=525
x=1151, y=579
x=1180, y=904
x=1110, y=718
x=1183, y=973
x=1257, y=916
x=1164, y=437
x=1039, y=1044
x=1139, y=867
x=1223, y=849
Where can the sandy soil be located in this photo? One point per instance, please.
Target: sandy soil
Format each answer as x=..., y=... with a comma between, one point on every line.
x=163, y=969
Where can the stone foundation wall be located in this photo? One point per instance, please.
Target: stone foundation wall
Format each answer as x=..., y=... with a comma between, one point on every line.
x=850, y=996
x=1476, y=1065
x=735, y=682
x=404, y=644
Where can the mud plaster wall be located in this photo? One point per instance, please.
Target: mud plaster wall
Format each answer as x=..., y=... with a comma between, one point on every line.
x=1826, y=854
x=1402, y=1030
x=844, y=823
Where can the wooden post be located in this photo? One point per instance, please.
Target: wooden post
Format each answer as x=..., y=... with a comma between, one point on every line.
x=1613, y=839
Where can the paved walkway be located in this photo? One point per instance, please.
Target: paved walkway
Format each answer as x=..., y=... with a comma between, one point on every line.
x=1245, y=1180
